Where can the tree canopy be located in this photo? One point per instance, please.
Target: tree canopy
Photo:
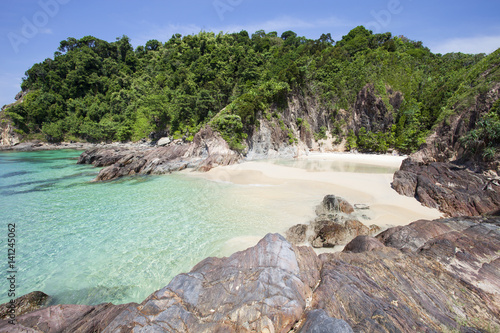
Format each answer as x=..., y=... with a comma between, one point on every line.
x=96, y=90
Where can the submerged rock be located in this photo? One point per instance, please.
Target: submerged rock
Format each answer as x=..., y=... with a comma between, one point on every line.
x=25, y=304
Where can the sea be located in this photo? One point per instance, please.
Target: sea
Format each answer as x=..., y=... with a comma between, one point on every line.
x=85, y=242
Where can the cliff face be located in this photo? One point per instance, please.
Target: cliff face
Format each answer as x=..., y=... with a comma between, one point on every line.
x=8, y=137
x=443, y=175
x=443, y=145
x=306, y=124
x=290, y=131
x=372, y=113
x=441, y=275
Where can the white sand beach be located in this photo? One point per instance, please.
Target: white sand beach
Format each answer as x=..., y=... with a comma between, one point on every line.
x=300, y=186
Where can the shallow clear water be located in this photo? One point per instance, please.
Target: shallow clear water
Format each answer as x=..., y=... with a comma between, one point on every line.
x=335, y=166
x=87, y=243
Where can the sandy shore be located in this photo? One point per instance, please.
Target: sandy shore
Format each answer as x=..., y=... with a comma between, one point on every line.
x=300, y=186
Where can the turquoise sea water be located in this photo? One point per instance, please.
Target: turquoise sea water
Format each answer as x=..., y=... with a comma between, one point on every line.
x=87, y=243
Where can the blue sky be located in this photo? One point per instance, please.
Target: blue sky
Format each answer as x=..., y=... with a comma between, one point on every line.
x=30, y=30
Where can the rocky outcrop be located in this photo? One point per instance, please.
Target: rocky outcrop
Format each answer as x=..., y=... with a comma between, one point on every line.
x=389, y=290
x=443, y=145
x=262, y=289
x=207, y=150
x=429, y=276
x=467, y=247
x=66, y=319
x=8, y=137
x=372, y=113
x=452, y=189
x=336, y=224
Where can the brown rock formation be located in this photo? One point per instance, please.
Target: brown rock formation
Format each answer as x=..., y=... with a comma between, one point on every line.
x=454, y=190
x=207, y=150
x=371, y=112
x=336, y=224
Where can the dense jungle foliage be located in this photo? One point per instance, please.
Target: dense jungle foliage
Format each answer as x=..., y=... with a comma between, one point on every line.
x=99, y=91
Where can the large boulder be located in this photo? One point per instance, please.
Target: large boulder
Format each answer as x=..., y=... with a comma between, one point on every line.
x=452, y=189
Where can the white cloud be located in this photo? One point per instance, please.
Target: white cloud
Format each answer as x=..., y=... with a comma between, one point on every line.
x=473, y=45
x=278, y=24
x=45, y=31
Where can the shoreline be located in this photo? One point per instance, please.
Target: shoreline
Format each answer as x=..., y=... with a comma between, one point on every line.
x=45, y=146
x=298, y=185
x=301, y=190
x=264, y=177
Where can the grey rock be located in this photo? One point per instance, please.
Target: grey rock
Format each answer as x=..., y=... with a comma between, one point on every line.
x=163, y=141
x=317, y=321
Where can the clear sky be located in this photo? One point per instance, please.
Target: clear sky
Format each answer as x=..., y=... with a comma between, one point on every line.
x=30, y=30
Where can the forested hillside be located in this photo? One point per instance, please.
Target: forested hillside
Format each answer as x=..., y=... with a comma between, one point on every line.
x=94, y=90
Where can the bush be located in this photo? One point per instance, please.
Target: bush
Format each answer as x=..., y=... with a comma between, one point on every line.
x=231, y=129
x=54, y=132
x=351, y=141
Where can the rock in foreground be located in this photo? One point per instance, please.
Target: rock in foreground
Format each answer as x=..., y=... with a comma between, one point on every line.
x=446, y=279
